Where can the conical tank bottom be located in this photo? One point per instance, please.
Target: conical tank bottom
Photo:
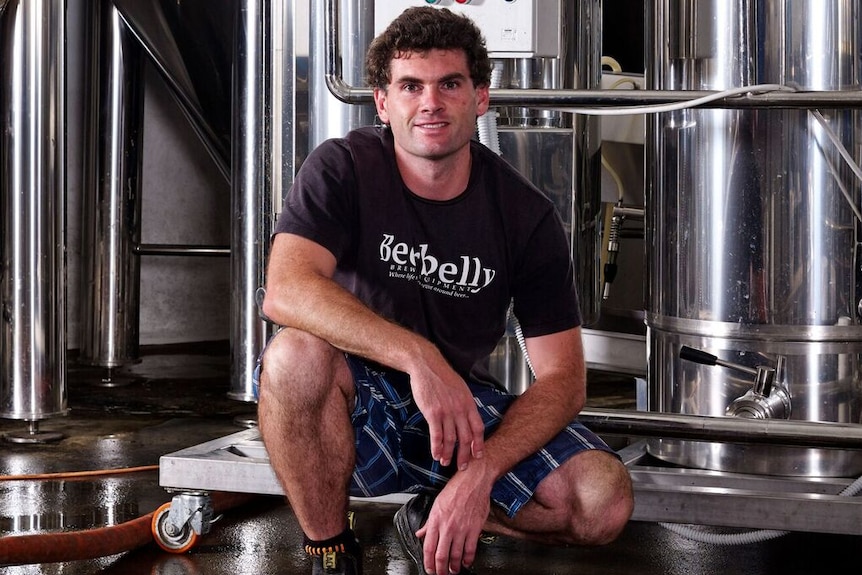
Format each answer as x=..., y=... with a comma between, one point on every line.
x=191, y=44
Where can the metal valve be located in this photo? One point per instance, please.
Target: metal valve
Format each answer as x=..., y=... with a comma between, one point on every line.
x=765, y=400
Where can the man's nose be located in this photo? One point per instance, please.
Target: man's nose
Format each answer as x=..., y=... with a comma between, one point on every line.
x=431, y=100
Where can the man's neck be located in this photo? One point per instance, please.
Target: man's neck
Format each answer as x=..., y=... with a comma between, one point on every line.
x=437, y=180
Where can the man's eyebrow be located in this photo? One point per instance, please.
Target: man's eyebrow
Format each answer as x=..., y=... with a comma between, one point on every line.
x=414, y=80
x=453, y=76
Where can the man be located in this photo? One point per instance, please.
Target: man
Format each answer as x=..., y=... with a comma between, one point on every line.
x=392, y=268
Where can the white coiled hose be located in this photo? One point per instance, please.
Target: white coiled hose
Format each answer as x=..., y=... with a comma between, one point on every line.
x=695, y=534
x=487, y=123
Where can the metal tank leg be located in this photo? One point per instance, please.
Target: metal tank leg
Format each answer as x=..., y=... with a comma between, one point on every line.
x=250, y=202
x=32, y=186
x=113, y=123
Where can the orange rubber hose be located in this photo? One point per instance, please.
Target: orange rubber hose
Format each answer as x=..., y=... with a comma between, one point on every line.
x=78, y=474
x=92, y=543
x=75, y=545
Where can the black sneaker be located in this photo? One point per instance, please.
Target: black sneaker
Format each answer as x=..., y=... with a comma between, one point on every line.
x=408, y=520
x=336, y=563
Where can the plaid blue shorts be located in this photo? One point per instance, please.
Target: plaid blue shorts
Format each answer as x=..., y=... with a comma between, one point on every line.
x=393, y=451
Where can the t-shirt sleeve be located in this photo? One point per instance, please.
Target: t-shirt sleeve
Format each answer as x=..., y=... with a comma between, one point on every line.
x=319, y=205
x=544, y=293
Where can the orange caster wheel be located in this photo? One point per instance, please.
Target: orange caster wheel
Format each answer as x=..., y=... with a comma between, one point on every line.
x=168, y=536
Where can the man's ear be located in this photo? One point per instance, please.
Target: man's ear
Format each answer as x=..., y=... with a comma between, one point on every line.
x=483, y=99
x=380, y=104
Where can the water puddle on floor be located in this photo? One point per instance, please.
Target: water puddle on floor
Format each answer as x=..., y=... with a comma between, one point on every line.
x=29, y=507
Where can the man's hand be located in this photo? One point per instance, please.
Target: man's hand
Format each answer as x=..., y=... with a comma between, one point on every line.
x=451, y=534
x=453, y=419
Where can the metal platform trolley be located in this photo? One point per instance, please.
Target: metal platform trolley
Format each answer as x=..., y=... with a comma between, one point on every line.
x=239, y=463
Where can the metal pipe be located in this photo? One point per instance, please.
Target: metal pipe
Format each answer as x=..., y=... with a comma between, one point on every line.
x=181, y=250
x=249, y=199
x=612, y=98
x=113, y=133
x=32, y=210
x=329, y=117
x=727, y=429
x=627, y=212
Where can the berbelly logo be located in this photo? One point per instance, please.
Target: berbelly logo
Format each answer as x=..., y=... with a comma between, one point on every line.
x=458, y=278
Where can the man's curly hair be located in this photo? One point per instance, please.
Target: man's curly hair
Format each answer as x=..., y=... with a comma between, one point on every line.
x=420, y=30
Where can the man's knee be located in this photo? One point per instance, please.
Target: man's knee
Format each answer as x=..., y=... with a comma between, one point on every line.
x=605, y=501
x=296, y=362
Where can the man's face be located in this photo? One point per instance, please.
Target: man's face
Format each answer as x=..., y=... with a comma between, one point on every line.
x=431, y=104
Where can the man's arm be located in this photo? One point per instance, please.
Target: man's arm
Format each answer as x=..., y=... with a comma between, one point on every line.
x=301, y=294
x=553, y=400
x=546, y=407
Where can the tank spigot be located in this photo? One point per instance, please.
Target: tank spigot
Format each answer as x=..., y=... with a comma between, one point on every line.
x=765, y=400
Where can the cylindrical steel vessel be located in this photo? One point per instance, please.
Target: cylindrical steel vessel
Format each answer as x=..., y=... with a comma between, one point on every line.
x=752, y=236
x=32, y=210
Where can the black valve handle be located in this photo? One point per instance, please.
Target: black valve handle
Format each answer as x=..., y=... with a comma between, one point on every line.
x=697, y=356
x=701, y=357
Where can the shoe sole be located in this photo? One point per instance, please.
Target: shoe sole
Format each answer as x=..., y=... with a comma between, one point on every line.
x=409, y=542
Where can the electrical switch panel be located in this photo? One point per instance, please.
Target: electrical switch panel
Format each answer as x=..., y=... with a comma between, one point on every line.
x=512, y=28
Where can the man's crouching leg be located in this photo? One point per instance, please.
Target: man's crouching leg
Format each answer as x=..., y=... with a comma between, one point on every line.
x=306, y=399
x=586, y=501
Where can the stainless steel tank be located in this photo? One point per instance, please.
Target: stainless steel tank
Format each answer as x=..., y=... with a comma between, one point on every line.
x=753, y=232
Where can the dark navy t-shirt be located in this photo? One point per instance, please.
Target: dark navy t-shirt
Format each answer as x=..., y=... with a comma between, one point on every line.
x=446, y=270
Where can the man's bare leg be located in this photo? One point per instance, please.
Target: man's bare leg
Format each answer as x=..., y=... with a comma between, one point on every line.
x=586, y=501
x=306, y=398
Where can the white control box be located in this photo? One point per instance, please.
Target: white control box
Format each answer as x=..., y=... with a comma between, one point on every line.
x=512, y=28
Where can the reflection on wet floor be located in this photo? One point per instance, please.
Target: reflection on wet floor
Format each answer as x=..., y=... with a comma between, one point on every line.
x=34, y=506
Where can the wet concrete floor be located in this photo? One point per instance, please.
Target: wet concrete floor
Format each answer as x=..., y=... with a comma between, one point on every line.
x=177, y=397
